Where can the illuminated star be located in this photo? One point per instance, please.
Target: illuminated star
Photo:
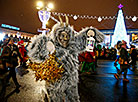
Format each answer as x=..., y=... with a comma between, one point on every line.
x=120, y=6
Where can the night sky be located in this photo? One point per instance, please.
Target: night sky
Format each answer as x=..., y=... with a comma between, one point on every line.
x=23, y=13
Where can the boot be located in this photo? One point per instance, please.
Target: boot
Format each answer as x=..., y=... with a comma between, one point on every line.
x=116, y=76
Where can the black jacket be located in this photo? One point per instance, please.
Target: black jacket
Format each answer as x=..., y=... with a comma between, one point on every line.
x=10, y=54
x=124, y=54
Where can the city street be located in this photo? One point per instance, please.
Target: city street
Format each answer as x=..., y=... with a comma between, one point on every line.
x=103, y=87
x=43, y=41
x=100, y=87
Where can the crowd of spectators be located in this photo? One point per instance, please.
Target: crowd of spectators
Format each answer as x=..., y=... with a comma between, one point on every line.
x=111, y=52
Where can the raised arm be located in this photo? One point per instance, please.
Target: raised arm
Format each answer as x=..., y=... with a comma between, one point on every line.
x=82, y=37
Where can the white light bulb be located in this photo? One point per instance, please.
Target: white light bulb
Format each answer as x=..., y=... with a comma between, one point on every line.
x=99, y=19
x=134, y=18
x=75, y=17
x=40, y=4
x=50, y=5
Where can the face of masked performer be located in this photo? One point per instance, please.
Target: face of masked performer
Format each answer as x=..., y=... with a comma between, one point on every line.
x=63, y=39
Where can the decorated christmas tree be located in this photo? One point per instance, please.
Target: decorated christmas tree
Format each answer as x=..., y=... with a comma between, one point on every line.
x=120, y=29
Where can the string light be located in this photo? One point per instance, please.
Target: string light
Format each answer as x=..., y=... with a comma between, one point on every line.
x=99, y=19
x=134, y=18
x=75, y=17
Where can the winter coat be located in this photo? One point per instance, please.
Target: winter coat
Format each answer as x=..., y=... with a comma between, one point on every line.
x=10, y=54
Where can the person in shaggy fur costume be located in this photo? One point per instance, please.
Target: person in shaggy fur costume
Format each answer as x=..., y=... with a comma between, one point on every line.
x=61, y=46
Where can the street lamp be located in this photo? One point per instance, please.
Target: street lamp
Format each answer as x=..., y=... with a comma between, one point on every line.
x=50, y=5
x=39, y=4
x=44, y=14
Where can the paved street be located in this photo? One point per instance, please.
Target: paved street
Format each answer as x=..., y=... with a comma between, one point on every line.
x=102, y=87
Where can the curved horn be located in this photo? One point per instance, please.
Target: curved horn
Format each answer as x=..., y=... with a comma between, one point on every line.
x=60, y=19
x=67, y=20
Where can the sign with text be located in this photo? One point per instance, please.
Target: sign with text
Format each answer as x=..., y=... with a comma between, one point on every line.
x=9, y=26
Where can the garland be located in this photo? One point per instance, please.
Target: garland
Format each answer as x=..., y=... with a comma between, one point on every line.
x=50, y=70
